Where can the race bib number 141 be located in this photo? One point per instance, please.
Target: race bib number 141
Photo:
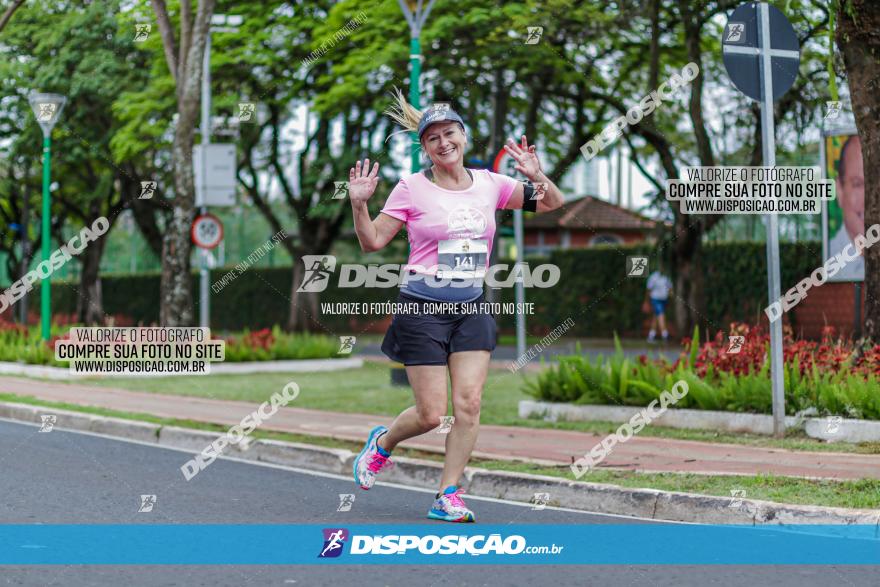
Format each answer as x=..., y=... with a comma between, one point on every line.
x=462, y=258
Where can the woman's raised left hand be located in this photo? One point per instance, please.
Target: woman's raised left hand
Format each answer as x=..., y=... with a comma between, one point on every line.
x=526, y=160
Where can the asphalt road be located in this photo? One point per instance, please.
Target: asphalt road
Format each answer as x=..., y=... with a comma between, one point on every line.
x=73, y=478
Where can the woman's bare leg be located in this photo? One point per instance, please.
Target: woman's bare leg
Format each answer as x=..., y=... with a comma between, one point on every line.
x=429, y=388
x=467, y=370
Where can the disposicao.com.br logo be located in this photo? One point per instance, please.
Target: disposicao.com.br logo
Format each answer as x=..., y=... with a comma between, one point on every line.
x=334, y=540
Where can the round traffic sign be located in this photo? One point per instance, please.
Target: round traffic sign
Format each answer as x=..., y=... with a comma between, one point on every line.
x=506, y=165
x=207, y=231
x=754, y=31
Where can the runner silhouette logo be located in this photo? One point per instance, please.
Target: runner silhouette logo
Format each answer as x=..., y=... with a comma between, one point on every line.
x=833, y=110
x=735, y=33
x=636, y=266
x=334, y=540
x=346, y=500
x=317, y=274
x=48, y=422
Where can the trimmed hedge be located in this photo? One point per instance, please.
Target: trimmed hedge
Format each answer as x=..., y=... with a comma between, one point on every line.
x=258, y=298
x=593, y=290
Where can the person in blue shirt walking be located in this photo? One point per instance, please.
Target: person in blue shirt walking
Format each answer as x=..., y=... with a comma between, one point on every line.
x=659, y=286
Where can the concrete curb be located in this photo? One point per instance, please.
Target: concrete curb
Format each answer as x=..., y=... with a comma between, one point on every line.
x=130, y=429
x=838, y=430
x=593, y=497
x=62, y=373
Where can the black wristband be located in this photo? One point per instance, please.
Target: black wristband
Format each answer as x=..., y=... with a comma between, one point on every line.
x=530, y=204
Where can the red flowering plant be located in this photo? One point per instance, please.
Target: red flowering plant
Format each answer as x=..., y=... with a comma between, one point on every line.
x=744, y=349
x=275, y=344
x=55, y=338
x=18, y=343
x=62, y=319
x=869, y=361
x=741, y=351
x=261, y=339
x=256, y=345
x=12, y=329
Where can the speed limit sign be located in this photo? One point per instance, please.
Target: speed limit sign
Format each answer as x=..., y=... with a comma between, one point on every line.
x=506, y=165
x=207, y=231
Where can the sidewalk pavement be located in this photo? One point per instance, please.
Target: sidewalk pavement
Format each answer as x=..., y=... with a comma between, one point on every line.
x=546, y=446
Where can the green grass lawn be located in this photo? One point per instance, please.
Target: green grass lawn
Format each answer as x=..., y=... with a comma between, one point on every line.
x=368, y=390
x=864, y=494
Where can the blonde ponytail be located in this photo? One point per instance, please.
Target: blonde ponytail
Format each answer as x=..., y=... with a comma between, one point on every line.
x=404, y=113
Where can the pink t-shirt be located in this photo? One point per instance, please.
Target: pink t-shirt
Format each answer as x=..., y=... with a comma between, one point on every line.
x=432, y=213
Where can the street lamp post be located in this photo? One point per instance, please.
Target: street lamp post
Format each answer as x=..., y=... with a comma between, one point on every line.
x=25, y=251
x=415, y=56
x=415, y=17
x=47, y=108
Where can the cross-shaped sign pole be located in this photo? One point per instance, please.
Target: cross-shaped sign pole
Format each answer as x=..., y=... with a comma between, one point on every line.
x=748, y=36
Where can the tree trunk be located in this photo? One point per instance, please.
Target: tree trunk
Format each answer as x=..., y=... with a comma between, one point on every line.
x=176, y=307
x=176, y=286
x=303, y=305
x=690, y=306
x=89, y=303
x=688, y=293
x=858, y=36
x=144, y=215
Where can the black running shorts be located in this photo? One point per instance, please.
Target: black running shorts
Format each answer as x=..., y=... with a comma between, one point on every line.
x=425, y=338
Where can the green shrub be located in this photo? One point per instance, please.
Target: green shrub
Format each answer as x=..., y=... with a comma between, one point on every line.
x=617, y=380
x=18, y=344
x=276, y=345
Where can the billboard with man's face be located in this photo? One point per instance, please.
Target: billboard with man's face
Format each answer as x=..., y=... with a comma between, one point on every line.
x=846, y=214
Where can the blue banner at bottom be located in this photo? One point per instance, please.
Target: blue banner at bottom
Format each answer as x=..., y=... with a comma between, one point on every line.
x=600, y=544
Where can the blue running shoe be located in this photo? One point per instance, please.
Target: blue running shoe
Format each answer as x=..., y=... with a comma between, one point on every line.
x=371, y=461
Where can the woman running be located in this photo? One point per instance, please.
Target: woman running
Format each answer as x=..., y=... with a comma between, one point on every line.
x=449, y=213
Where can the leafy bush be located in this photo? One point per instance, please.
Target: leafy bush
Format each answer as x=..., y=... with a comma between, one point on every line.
x=25, y=345
x=274, y=344
x=833, y=377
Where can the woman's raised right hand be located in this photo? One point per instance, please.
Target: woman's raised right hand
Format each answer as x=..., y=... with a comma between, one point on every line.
x=362, y=182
